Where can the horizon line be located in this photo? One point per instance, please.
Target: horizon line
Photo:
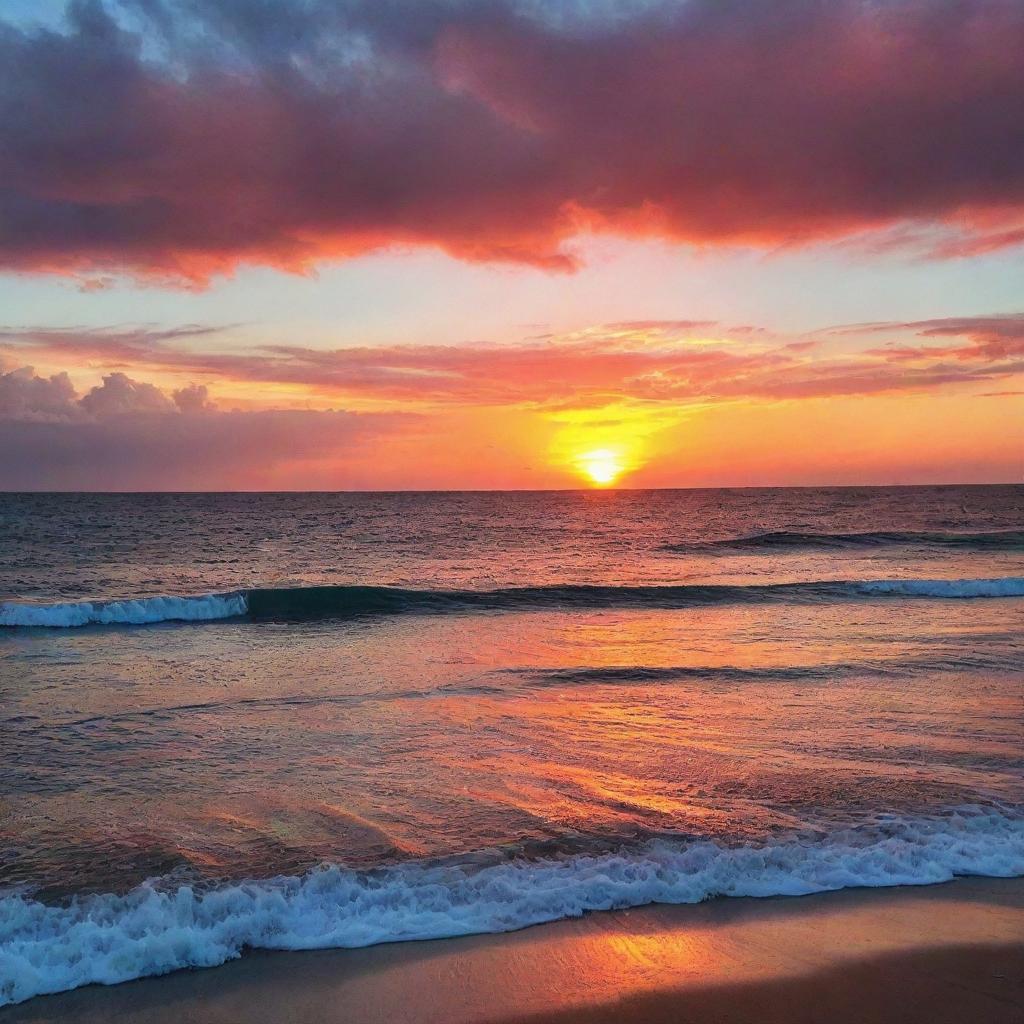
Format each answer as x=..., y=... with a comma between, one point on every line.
x=531, y=490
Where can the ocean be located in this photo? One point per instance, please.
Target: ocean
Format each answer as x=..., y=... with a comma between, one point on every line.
x=294, y=721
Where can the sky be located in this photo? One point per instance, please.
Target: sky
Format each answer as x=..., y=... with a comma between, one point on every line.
x=446, y=244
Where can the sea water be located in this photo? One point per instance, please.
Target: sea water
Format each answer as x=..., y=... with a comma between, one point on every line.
x=306, y=720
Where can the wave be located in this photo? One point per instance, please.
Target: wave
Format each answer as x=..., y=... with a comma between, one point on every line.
x=587, y=675
x=302, y=603
x=1008, y=586
x=140, y=611
x=992, y=540
x=110, y=938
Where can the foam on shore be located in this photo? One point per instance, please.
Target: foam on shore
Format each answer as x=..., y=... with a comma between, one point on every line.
x=153, y=929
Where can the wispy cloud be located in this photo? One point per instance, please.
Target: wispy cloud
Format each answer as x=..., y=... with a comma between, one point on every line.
x=642, y=361
x=988, y=339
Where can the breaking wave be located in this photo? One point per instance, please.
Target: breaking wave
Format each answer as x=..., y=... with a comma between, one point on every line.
x=155, y=929
x=140, y=611
x=302, y=603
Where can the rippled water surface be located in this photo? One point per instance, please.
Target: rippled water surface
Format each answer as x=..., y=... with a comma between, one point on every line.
x=609, y=685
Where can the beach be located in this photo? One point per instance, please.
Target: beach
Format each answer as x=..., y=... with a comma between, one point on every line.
x=946, y=953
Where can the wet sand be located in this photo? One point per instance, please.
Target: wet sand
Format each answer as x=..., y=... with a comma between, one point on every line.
x=938, y=954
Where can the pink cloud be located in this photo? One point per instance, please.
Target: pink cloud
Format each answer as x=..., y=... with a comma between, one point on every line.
x=989, y=338
x=225, y=134
x=637, y=362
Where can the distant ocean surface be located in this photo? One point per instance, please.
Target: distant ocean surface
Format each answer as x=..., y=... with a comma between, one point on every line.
x=293, y=721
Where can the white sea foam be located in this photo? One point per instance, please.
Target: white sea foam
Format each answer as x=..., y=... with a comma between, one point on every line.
x=140, y=611
x=1009, y=586
x=109, y=939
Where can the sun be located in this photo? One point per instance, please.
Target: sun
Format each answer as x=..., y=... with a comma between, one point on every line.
x=602, y=465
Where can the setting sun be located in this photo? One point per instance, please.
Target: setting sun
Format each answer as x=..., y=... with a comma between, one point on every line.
x=601, y=465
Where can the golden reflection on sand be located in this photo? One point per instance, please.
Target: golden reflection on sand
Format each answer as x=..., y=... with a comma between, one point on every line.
x=945, y=951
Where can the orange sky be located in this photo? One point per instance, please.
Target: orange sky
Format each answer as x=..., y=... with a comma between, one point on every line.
x=460, y=245
x=640, y=403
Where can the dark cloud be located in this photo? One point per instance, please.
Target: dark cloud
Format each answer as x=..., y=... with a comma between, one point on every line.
x=177, y=139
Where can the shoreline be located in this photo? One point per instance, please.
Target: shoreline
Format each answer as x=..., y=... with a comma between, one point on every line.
x=947, y=952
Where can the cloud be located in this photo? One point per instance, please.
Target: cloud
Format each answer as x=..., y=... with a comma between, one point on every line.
x=201, y=137
x=126, y=434
x=457, y=415
x=662, y=326
x=271, y=449
x=193, y=398
x=668, y=362
x=989, y=338
x=119, y=394
x=28, y=397
x=24, y=396
x=130, y=337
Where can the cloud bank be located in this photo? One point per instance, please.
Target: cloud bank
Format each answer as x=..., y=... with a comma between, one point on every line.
x=126, y=434
x=200, y=137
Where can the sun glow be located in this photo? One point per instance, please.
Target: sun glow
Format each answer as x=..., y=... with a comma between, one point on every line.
x=602, y=465
x=603, y=445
